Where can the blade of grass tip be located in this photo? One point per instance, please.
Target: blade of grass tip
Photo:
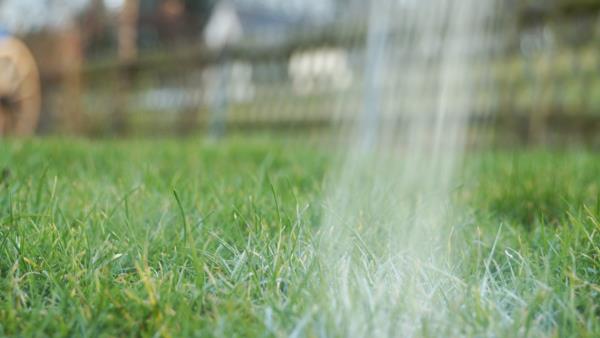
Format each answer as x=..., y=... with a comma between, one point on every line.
x=123, y=201
x=488, y=261
x=276, y=200
x=598, y=204
x=41, y=181
x=183, y=217
x=11, y=214
x=52, y=202
x=301, y=325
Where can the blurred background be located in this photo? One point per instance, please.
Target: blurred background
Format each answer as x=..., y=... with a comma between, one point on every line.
x=179, y=67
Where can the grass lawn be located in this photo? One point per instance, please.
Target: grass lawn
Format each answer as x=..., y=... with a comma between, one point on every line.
x=189, y=238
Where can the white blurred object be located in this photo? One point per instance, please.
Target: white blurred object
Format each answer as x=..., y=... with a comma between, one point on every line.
x=320, y=70
x=22, y=16
x=240, y=86
x=223, y=28
x=113, y=5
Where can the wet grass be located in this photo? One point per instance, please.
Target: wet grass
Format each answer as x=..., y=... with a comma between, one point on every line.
x=192, y=238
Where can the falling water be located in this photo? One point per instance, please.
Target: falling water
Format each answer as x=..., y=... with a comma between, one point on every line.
x=384, y=247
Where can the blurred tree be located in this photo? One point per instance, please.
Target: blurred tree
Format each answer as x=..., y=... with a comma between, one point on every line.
x=128, y=31
x=555, y=8
x=172, y=21
x=570, y=21
x=94, y=25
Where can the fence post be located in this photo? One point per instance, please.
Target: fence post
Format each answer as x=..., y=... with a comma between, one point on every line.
x=128, y=54
x=220, y=103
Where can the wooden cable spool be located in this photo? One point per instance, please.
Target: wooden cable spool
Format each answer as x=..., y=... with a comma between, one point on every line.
x=20, y=97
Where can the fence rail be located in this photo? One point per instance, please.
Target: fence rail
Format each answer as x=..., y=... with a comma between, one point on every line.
x=308, y=82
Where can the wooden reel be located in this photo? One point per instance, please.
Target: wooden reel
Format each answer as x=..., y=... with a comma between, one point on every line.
x=20, y=97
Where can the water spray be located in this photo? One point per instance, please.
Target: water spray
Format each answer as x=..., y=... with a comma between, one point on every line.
x=389, y=211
